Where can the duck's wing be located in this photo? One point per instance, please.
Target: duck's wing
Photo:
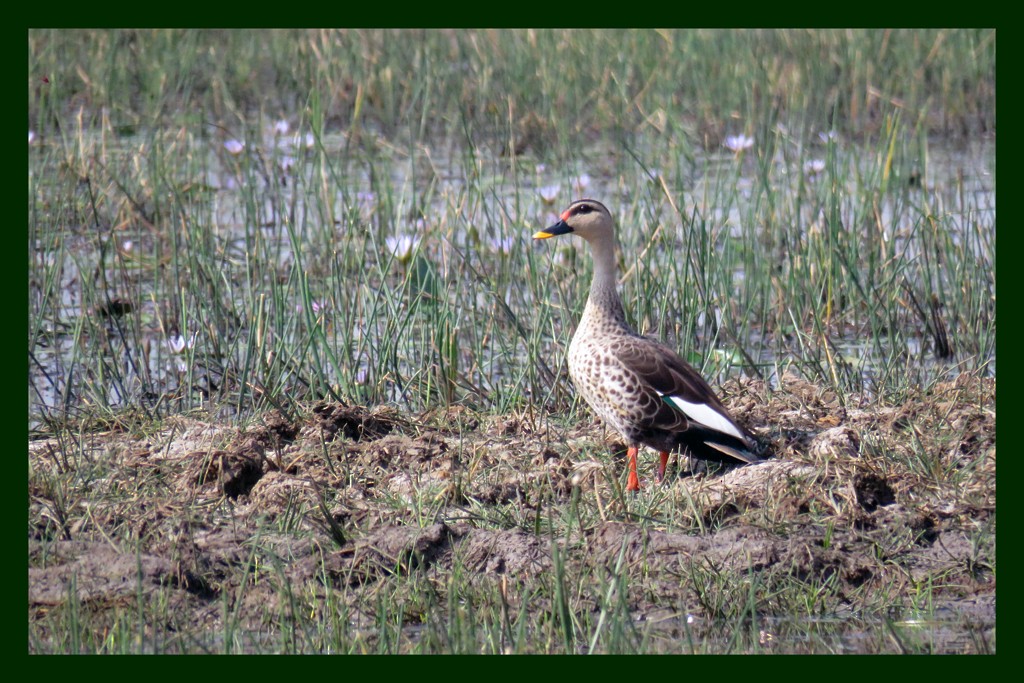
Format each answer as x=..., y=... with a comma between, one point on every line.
x=680, y=401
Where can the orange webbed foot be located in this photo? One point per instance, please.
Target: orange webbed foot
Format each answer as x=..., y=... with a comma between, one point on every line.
x=662, y=466
x=632, y=481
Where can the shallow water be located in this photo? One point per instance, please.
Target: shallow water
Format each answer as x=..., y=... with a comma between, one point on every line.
x=286, y=224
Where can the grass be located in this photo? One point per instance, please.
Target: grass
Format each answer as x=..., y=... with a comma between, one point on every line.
x=276, y=260
x=585, y=558
x=853, y=244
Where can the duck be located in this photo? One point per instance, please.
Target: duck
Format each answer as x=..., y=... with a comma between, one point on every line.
x=637, y=385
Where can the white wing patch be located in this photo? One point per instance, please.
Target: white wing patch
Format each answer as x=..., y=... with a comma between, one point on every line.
x=705, y=415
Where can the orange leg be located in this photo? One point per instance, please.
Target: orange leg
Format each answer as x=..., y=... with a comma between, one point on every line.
x=632, y=482
x=662, y=466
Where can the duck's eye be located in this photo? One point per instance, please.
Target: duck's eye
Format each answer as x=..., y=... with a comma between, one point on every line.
x=583, y=208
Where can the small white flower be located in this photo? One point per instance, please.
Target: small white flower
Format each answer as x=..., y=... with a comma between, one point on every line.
x=309, y=140
x=829, y=136
x=814, y=166
x=181, y=366
x=540, y=168
x=317, y=306
x=127, y=245
x=738, y=143
x=178, y=343
x=287, y=163
x=234, y=147
x=581, y=183
x=281, y=127
x=401, y=246
x=549, y=193
x=31, y=136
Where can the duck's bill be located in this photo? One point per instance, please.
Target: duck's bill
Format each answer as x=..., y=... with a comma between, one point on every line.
x=559, y=228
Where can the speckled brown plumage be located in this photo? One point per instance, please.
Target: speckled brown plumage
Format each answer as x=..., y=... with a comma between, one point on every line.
x=638, y=386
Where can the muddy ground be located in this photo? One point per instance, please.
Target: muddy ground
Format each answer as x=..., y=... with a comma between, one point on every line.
x=860, y=508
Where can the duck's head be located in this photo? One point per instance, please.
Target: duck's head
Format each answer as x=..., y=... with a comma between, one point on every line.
x=587, y=218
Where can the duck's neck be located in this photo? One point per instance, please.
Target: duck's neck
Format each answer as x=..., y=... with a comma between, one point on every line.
x=604, y=296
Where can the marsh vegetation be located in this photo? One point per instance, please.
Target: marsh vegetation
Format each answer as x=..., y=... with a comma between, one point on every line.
x=297, y=374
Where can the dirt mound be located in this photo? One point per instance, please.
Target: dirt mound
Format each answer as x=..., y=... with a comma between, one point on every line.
x=860, y=507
